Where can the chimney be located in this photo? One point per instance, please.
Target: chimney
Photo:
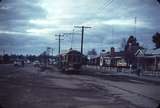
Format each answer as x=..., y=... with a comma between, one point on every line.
x=112, y=51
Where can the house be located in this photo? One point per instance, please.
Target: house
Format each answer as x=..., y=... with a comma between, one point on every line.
x=148, y=59
x=112, y=58
x=93, y=59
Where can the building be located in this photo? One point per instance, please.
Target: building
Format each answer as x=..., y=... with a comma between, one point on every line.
x=148, y=59
x=112, y=58
x=1, y=59
x=93, y=59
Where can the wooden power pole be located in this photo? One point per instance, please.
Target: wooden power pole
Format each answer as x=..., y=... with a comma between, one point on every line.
x=59, y=42
x=82, y=38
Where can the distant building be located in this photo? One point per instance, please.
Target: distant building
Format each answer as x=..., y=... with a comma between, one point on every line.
x=1, y=59
x=93, y=59
x=112, y=58
x=148, y=59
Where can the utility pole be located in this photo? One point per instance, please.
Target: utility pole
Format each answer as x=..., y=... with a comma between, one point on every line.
x=52, y=52
x=83, y=28
x=59, y=48
x=112, y=34
x=135, y=29
x=59, y=42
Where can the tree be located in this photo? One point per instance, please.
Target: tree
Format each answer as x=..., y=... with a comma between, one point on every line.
x=132, y=44
x=6, y=58
x=156, y=39
x=92, y=52
x=123, y=44
x=132, y=40
x=130, y=49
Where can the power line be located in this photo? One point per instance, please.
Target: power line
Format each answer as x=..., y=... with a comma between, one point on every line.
x=107, y=4
x=72, y=36
x=83, y=28
x=104, y=5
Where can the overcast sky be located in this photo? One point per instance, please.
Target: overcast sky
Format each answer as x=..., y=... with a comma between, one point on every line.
x=29, y=26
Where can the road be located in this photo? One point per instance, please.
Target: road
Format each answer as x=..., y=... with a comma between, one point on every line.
x=30, y=88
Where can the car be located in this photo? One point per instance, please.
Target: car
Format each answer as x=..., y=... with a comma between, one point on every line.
x=17, y=63
x=28, y=61
x=36, y=63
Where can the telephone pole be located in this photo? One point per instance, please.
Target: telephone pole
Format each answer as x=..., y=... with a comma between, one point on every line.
x=135, y=31
x=83, y=28
x=59, y=42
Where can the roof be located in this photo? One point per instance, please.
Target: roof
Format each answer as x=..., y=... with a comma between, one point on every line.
x=140, y=52
x=149, y=52
x=69, y=51
x=93, y=56
x=120, y=54
x=73, y=52
x=152, y=52
x=116, y=54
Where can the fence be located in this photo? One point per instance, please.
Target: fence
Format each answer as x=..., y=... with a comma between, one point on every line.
x=128, y=70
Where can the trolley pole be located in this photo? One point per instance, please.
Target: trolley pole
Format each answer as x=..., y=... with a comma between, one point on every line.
x=82, y=37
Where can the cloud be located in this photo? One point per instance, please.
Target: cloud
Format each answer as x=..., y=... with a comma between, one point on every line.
x=16, y=13
x=33, y=23
x=24, y=44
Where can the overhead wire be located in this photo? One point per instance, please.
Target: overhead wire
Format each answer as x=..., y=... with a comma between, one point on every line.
x=106, y=5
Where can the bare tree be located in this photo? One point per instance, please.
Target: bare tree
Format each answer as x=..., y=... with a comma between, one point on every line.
x=130, y=49
x=92, y=52
x=123, y=44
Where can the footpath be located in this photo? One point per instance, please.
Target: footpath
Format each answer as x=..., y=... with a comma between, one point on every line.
x=124, y=73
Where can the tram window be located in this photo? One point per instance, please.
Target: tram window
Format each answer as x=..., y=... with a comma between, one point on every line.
x=69, y=58
x=78, y=58
x=73, y=58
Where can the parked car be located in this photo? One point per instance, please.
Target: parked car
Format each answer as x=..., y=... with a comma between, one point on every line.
x=28, y=61
x=36, y=63
x=17, y=63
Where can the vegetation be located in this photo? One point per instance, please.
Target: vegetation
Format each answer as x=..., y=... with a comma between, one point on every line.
x=130, y=49
x=92, y=52
x=156, y=39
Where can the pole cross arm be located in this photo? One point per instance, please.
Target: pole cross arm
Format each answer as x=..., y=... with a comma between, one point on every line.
x=82, y=27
